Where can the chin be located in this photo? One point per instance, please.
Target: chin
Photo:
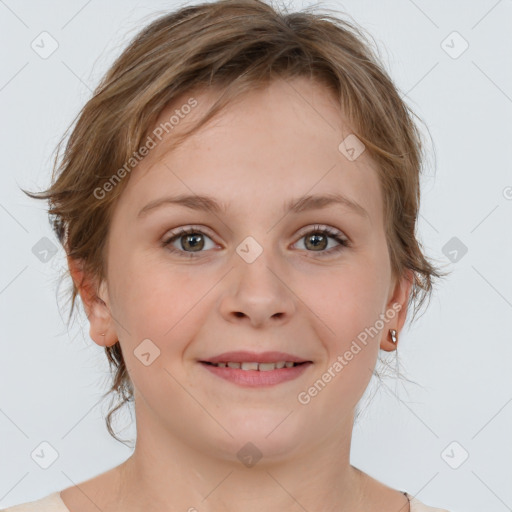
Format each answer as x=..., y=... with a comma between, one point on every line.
x=271, y=436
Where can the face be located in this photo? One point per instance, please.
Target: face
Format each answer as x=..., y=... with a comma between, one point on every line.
x=252, y=275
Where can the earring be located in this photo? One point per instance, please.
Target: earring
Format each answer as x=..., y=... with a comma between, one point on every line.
x=102, y=334
x=394, y=338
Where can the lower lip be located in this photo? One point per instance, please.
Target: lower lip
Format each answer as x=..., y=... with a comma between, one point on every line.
x=257, y=378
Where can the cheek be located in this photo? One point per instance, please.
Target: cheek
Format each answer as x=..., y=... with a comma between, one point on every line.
x=142, y=297
x=156, y=301
x=349, y=303
x=349, y=308
x=351, y=298
x=150, y=304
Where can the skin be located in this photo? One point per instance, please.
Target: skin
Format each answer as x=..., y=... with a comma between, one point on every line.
x=267, y=148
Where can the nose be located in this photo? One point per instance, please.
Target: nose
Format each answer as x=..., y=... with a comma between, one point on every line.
x=257, y=294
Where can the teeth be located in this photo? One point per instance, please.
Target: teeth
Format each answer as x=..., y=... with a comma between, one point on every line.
x=249, y=366
x=263, y=367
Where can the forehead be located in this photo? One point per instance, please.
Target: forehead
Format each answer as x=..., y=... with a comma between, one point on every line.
x=267, y=146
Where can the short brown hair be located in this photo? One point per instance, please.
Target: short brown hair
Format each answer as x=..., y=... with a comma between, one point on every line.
x=235, y=46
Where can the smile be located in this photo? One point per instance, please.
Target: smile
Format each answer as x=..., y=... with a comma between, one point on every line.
x=254, y=374
x=263, y=367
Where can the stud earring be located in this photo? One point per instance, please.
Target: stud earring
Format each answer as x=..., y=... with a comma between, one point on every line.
x=102, y=334
x=394, y=338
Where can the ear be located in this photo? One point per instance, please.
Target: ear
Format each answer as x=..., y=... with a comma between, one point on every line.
x=96, y=304
x=396, y=309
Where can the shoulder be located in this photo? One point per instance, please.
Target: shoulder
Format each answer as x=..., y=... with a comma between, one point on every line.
x=50, y=503
x=418, y=506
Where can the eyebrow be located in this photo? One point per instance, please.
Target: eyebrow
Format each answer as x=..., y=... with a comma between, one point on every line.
x=209, y=204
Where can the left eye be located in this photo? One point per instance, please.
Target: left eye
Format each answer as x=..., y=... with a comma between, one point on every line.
x=318, y=238
x=193, y=241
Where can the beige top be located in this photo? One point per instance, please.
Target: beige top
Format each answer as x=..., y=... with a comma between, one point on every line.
x=54, y=503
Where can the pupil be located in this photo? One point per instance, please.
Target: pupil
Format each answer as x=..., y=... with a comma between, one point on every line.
x=316, y=242
x=193, y=241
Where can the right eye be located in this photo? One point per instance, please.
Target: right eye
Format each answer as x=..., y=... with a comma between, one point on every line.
x=191, y=240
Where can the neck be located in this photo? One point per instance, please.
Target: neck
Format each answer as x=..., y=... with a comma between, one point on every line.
x=165, y=472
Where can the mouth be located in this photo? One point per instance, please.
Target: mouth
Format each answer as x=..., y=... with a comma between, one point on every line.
x=249, y=369
x=250, y=365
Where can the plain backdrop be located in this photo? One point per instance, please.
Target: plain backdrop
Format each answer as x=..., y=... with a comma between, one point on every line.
x=447, y=439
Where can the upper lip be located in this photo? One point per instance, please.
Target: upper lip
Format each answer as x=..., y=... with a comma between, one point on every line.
x=261, y=357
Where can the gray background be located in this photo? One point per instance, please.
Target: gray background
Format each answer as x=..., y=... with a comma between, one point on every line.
x=459, y=351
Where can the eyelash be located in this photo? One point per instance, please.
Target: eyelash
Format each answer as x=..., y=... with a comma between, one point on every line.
x=324, y=230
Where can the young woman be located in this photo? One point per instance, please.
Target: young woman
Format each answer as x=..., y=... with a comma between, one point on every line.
x=238, y=203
